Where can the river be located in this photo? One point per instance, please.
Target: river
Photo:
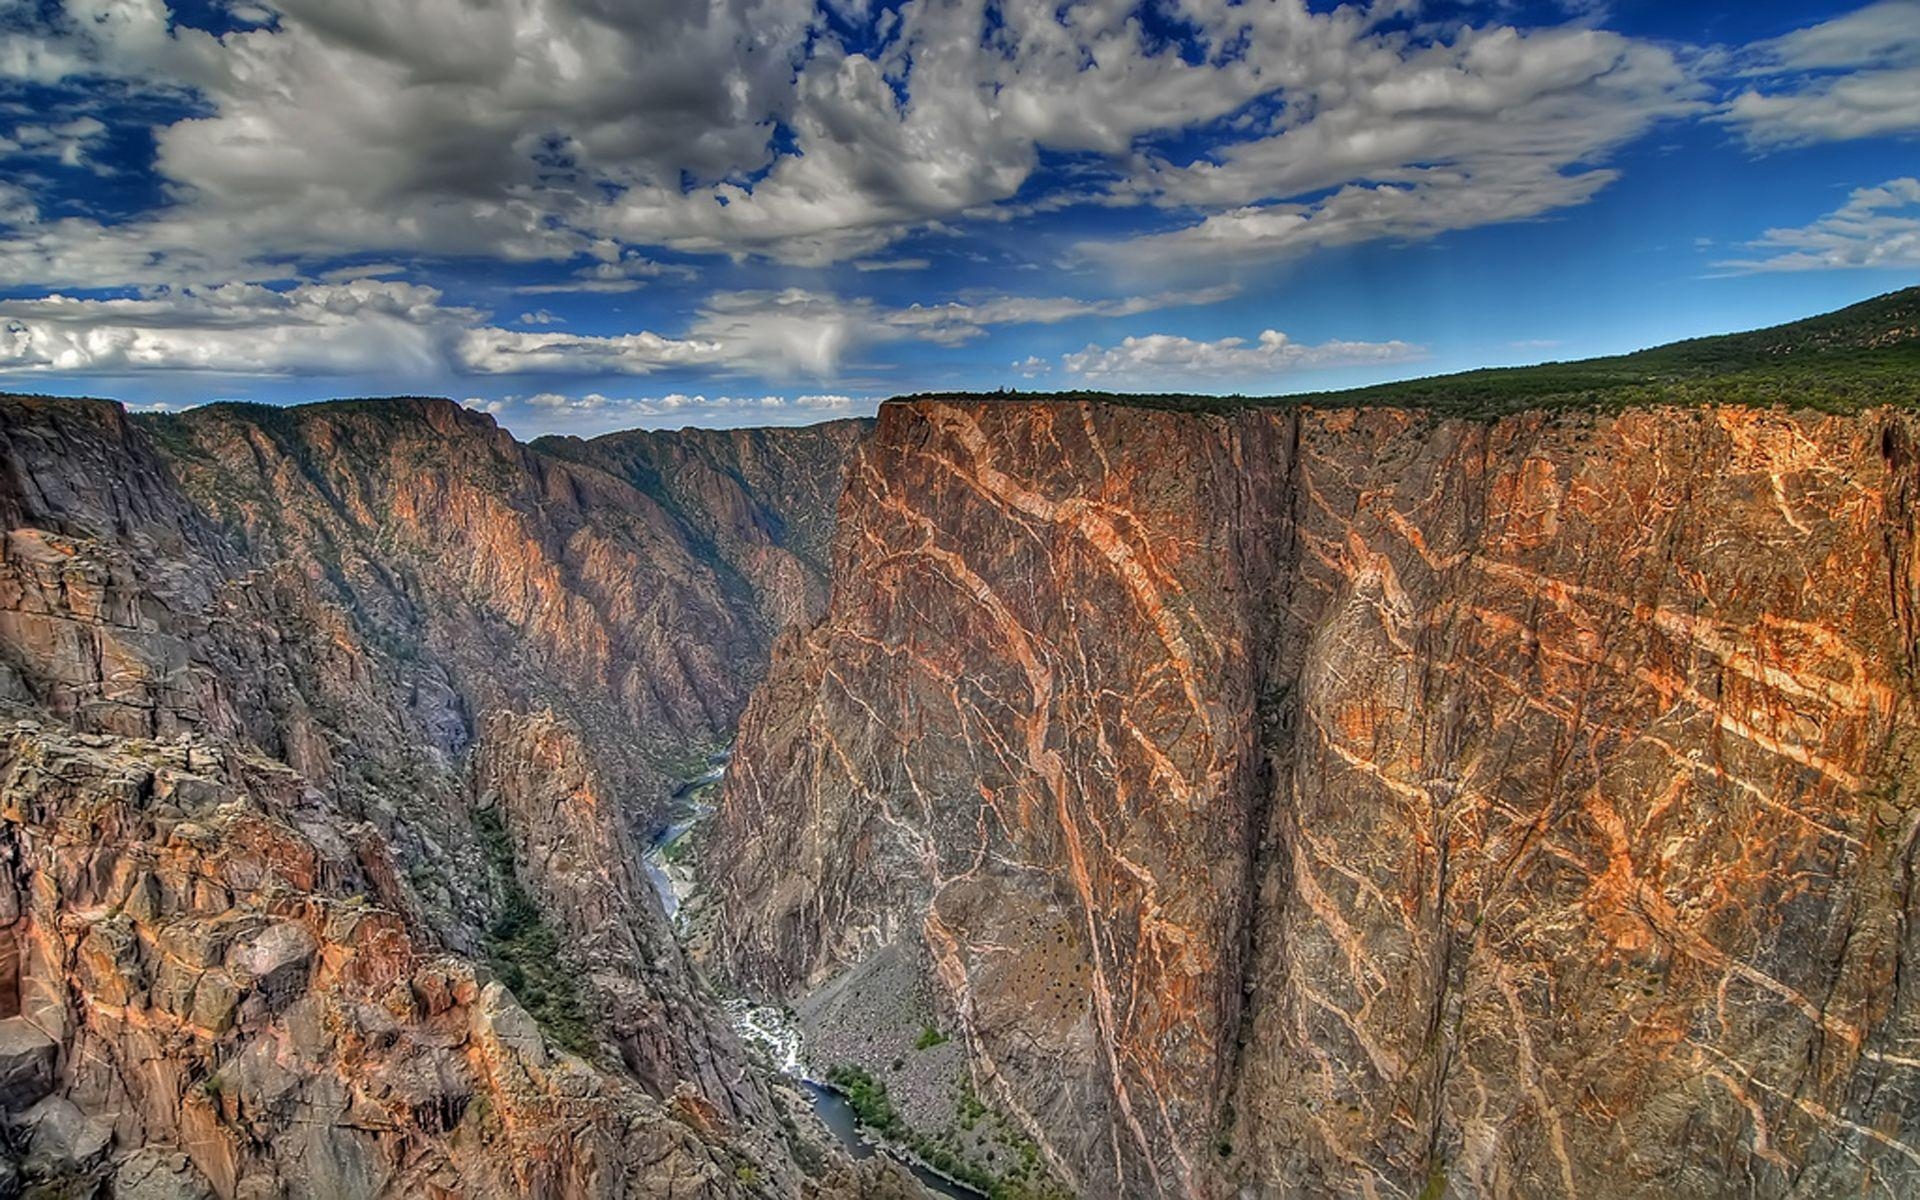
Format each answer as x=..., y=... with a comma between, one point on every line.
x=763, y=1025
x=775, y=1032
x=837, y=1115
x=670, y=880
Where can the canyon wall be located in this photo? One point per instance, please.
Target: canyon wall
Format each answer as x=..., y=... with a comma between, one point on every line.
x=337, y=731
x=1269, y=802
x=1304, y=802
x=759, y=501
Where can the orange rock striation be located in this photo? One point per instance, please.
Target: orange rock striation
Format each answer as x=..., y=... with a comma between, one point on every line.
x=1357, y=802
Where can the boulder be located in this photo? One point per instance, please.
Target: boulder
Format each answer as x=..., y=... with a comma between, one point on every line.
x=152, y=1173
x=62, y=1140
x=26, y=1063
x=276, y=960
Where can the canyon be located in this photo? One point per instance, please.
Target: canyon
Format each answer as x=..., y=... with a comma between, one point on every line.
x=1489, y=786
x=328, y=729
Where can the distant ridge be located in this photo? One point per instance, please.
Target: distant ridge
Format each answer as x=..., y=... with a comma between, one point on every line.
x=1864, y=355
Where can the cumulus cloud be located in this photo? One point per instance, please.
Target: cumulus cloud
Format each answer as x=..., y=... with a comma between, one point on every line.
x=960, y=321
x=614, y=270
x=1436, y=201
x=617, y=142
x=797, y=330
x=593, y=413
x=951, y=117
x=1494, y=126
x=437, y=126
x=1876, y=227
x=493, y=351
x=363, y=326
x=68, y=143
x=552, y=129
x=1187, y=362
x=404, y=329
x=1852, y=77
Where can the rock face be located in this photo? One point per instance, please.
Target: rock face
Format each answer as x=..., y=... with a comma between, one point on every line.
x=520, y=578
x=339, y=727
x=219, y=972
x=1303, y=802
x=760, y=501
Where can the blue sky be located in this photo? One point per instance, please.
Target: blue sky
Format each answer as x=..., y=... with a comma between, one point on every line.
x=591, y=214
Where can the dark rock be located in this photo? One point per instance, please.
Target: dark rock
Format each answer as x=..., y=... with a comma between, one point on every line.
x=62, y=1140
x=27, y=1057
x=1342, y=802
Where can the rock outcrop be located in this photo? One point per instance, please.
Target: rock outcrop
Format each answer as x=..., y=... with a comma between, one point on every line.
x=1306, y=802
x=208, y=964
x=759, y=501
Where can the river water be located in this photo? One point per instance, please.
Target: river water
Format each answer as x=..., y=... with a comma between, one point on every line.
x=686, y=809
x=763, y=1025
x=838, y=1117
x=775, y=1032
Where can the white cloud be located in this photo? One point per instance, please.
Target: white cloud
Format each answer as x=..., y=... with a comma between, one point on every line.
x=1876, y=227
x=240, y=328
x=1439, y=200
x=793, y=331
x=610, y=138
x=560, y=130
x=1492, y=127
x=1184, y=362
x=960, y=321
x=617, y=270
x=1351, y=104
x=494, y=351
x=540, y=316
x=404, y=330
x=435, y=126
x=1852, y=77
x=375, y=270
x=1492, y=102
x=806, y=332
x=67, y=142
x=365, y=326
x=594, y=413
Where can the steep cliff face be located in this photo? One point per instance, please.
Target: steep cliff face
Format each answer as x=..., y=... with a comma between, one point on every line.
x=527, y=578
x=759, y=501
x=1022, y=738
x=1359, y=802
x=1266, y=800
x=468, y=673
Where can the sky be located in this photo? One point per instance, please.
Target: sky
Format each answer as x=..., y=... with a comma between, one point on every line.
x=586, y=215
